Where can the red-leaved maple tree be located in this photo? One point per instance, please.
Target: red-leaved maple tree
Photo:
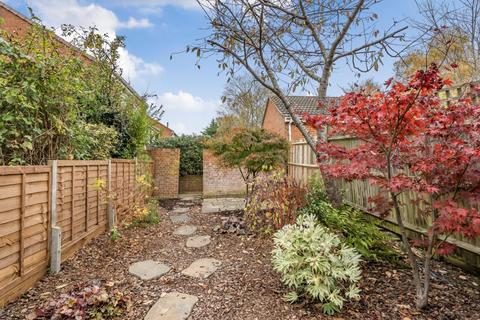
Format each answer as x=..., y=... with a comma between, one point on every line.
x=410, y=141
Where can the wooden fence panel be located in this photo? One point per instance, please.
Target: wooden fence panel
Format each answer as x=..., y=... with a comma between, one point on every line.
x=302, y=166
x=81, y=212
x=81, y=202
x=24, y=225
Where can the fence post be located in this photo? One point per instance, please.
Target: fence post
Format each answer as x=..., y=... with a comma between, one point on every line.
x=110, y=208
x=55, y=231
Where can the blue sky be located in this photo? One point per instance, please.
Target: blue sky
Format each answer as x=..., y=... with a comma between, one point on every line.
x=156, y=28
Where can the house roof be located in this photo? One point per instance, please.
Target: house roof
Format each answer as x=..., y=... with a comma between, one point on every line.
x=163, y=129
x=302, y=105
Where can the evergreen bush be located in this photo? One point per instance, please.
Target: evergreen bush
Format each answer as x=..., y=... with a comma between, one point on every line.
x=316, y=264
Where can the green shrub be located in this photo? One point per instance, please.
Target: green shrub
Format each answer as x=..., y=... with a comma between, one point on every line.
x=359, y=232
x=191, y=152
x=316, y=264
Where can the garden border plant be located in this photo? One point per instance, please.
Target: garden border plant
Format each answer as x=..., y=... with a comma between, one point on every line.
x=316, y=264
x=355, y=228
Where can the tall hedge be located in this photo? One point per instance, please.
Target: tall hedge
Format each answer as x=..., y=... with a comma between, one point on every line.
x=191, y=152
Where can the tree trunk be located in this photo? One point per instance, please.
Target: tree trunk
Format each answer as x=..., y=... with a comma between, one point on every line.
x=331, y=187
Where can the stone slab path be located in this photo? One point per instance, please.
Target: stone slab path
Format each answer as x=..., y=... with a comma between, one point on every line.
x=179, y=218
x=215, y=205
x=198, y=241
x=172, y=306
x=202, y=268
x=180, y=210
x=185, y=230
x=177, y=305
x=148, y=270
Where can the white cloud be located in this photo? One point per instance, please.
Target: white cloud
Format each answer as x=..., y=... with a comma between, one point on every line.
x=134, y=67
x=187, y=4
x=133, y=23
x=57, y=12
x=180, y=128
x=185, y=101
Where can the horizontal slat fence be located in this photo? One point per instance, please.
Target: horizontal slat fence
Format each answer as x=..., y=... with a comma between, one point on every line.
x=302, y=166
x=24, y=207
x=81, y=212
x=81, y=202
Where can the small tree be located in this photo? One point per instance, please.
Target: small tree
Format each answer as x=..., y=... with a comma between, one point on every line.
x=244, y=98
x=412, y=143
x=251, y=151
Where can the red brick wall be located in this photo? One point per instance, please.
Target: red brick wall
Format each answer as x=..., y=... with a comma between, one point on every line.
x=219, y=180
x=166, y=165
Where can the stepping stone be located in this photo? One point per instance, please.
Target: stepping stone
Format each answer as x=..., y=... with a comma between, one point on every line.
x=202, y=268
x=148, y=270
x=189, y=197
x=180, y=210
x=186, y=230
x=198, y=241
x=216, y=205
x=172, y=306
x=176, y=218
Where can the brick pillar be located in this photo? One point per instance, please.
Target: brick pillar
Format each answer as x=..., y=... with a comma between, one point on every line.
x=166, y=166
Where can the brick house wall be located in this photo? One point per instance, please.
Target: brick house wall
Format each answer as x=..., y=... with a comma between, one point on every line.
x=12, y=22
x=166, y=168
x=219, y=180
x=274, y=121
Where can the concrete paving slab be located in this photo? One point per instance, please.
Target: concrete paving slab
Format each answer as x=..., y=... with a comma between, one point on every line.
x=202, y=268
x=148, y=270
x=185, y=230
x=216, y=205
x=198, y=241
x=178, y=218
x=172, y=306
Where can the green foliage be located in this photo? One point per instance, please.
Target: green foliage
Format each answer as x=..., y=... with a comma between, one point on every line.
x=115, y=234
x=358, y=232
x=90, y=302
x=147, y=215
x=274, y=202
x=251, y=150
x=211, y=129
x=316, y=264
x=191, y=152
x=55, y=105
x=88, y=141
